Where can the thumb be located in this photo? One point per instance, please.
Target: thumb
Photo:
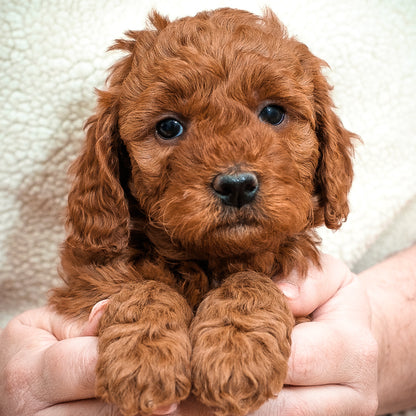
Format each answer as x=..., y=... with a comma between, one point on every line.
x=62, y=327
x=305, y=295
x=91, y=327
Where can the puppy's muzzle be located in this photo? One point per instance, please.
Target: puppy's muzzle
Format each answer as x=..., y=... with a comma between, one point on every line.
x=236, y=189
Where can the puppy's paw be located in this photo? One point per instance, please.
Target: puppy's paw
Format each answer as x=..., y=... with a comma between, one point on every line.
x=142, y=375
x=241, y=344
x=235, y=371
x=144, y=350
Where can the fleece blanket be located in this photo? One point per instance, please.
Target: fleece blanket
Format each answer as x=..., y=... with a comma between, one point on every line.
x=53, y=54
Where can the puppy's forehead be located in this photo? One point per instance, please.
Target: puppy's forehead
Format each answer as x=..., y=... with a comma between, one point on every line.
x=214, y=44
x=241, y=57
x=224, y=30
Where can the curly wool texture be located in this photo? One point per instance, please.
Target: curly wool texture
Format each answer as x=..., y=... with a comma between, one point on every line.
x=149, y=230
x=243, y=323
x=131, y=347
x=54, y=56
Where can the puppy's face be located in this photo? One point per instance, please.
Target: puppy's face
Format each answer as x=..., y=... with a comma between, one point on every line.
x=219, y=117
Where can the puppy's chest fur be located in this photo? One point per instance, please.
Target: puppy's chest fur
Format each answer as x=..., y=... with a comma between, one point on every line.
x=194, y=278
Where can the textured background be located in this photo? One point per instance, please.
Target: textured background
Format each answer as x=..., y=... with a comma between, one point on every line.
x=52, y=55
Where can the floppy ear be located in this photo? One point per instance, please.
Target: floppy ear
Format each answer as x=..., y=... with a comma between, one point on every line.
x=98, y=215
x=334, y=174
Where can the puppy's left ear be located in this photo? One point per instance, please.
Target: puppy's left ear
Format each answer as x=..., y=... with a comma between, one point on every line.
x=334, y=174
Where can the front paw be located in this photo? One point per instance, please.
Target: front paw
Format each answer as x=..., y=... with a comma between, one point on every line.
x=142, y=375
x=241, y=344
x=144, y=352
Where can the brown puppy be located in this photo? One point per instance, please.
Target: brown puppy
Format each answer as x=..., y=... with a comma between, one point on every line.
x=212, y=156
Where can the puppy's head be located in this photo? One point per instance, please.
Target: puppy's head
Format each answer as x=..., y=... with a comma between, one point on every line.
x=232, y=144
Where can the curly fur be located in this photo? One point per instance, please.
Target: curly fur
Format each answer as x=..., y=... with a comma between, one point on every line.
x=192, y=306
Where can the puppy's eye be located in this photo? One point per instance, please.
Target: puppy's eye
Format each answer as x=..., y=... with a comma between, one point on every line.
x=169, y=128
x=272, y=114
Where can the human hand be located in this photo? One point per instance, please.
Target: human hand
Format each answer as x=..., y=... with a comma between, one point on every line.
x=47, y=367
x=332, y=369
x=333, y=363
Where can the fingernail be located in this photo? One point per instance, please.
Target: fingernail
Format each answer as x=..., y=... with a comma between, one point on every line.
x=91, y=326
x=97, y=308
x=290, y=290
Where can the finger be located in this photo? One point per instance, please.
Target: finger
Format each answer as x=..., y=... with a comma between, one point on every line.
x=81, y=408
x=67, y=371
x=304, y=295
x=324, y=354
x=350, y=304
x=320, y=400
x=56, y=325
x=91, y=327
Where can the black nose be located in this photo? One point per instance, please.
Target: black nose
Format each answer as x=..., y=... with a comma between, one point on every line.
x=236, y=190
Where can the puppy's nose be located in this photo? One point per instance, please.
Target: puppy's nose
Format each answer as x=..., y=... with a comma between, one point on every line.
x=237, y=189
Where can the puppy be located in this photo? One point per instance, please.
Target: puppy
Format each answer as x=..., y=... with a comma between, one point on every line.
x=211, y=158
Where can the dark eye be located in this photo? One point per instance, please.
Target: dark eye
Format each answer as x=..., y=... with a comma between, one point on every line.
x=272, y=114
x=169, y=128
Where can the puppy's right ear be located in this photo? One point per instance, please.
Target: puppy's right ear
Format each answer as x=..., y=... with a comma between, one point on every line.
x=98, y=215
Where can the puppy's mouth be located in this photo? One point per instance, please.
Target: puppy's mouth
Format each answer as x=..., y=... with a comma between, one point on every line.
x=239, y=235
x=238, y=222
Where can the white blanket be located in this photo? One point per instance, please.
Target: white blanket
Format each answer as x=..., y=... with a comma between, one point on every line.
x=52, y=55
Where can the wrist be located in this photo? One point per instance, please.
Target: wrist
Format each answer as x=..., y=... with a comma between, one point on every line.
x=391, y=289
x=380, y=331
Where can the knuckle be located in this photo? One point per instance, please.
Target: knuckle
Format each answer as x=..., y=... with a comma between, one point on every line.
x=301, y=360
x=368, y=350
x=364, y=361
